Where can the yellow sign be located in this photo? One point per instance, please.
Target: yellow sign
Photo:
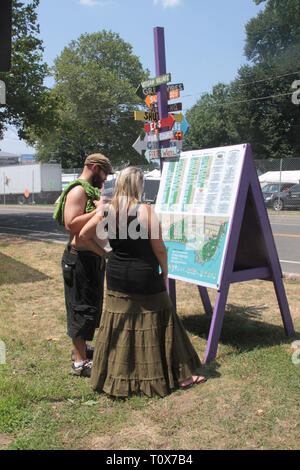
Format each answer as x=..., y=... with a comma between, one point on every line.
x=146, y=116
x=178, y=117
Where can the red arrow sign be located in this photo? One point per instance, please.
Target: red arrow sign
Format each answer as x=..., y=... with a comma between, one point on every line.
x=166, y=122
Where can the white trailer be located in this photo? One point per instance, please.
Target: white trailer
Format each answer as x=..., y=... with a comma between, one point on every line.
x=37, y=183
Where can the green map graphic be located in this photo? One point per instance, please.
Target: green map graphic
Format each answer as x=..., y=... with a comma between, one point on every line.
x=204, y=250
x=209, y=249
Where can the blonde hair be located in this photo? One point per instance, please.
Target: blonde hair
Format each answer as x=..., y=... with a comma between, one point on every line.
x=128, y=188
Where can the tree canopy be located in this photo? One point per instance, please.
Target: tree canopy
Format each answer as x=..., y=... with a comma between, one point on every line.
x=28, y=101
x=95, y=81
x=258, y=105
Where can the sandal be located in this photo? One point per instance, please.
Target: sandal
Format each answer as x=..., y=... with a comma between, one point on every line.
x=199, y=380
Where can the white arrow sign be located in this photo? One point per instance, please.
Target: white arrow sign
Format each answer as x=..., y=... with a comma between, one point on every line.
x=162, y=136
x=176, y=143
x=139, y=145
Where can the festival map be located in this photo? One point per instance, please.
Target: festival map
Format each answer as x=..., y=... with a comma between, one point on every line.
x=195, y=204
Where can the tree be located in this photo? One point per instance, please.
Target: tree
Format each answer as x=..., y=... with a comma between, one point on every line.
x=28, y=102
x=258, y=105
x=268, y=117
x=275, y=33
x=96, y=78
x=211, y=122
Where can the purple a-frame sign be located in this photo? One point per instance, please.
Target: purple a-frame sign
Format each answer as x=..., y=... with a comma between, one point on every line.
x=251, y=252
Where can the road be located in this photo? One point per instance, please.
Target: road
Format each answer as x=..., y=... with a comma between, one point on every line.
x=31, y=222
x=37, y=222
x=286, y=231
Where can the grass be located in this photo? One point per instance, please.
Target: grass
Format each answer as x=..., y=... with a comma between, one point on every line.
x=249, y=402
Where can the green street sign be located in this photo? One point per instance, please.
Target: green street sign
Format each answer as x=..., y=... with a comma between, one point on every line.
x=156, y=81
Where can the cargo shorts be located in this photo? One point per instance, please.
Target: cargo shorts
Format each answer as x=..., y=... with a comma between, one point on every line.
x=83, y=274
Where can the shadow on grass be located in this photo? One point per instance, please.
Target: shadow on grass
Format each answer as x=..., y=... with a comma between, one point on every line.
x=15, y=272
x=242, y=328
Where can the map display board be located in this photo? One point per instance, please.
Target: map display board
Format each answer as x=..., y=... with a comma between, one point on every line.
x=195, y=204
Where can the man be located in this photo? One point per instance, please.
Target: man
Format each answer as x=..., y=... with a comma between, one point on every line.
x=83, y=269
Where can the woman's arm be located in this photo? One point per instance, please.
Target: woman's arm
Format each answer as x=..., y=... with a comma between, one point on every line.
x=148, y=216
x=88, y=232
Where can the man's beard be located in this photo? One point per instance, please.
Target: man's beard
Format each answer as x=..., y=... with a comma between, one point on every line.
x=97, y=181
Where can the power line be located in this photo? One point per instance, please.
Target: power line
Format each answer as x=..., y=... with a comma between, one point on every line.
x=269, y=78
x=200, y=93
x=249, y=83
x=251, y=99
x=223, y=104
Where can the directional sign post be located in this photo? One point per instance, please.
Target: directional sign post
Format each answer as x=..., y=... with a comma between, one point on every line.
x=175, y=86
x=170, y=154
x=161, y=136
x=178, y=117
x=174, y=107
x=167, y=154
x=150, y=100
x=139, y=145
x=146, y=116
x=157, y=81
x=181, y=126
x=166, y=122
x=173, y=94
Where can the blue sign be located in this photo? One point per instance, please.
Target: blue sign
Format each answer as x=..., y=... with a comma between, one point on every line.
x=27, y=158
x=181, y=126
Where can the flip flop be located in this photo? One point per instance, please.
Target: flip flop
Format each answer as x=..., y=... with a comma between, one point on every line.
x=199, y=380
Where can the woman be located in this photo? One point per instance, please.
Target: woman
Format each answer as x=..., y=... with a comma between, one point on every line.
x=142, y=345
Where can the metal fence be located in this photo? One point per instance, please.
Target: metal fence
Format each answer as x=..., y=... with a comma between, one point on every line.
x=149, y=167
x=279, y=165
x=280, y=169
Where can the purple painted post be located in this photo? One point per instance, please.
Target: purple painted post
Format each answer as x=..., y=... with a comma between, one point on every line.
x=162, y=101
x=161, y=69
x=216, y=324
x=205, y=299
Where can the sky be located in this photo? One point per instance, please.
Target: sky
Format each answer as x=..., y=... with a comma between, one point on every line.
x=204, y=39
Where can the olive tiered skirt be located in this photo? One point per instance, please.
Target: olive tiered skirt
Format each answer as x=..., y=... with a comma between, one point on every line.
x=141, y=346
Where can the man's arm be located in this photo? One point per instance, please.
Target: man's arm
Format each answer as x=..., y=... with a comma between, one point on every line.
x=74, y=216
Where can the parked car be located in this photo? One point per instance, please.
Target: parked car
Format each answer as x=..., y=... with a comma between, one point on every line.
x=151, y=187
x=109, y=189
x=289, y=199
x=272, y=190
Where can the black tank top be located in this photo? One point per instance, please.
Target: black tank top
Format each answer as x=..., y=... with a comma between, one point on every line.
x=132, y=266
